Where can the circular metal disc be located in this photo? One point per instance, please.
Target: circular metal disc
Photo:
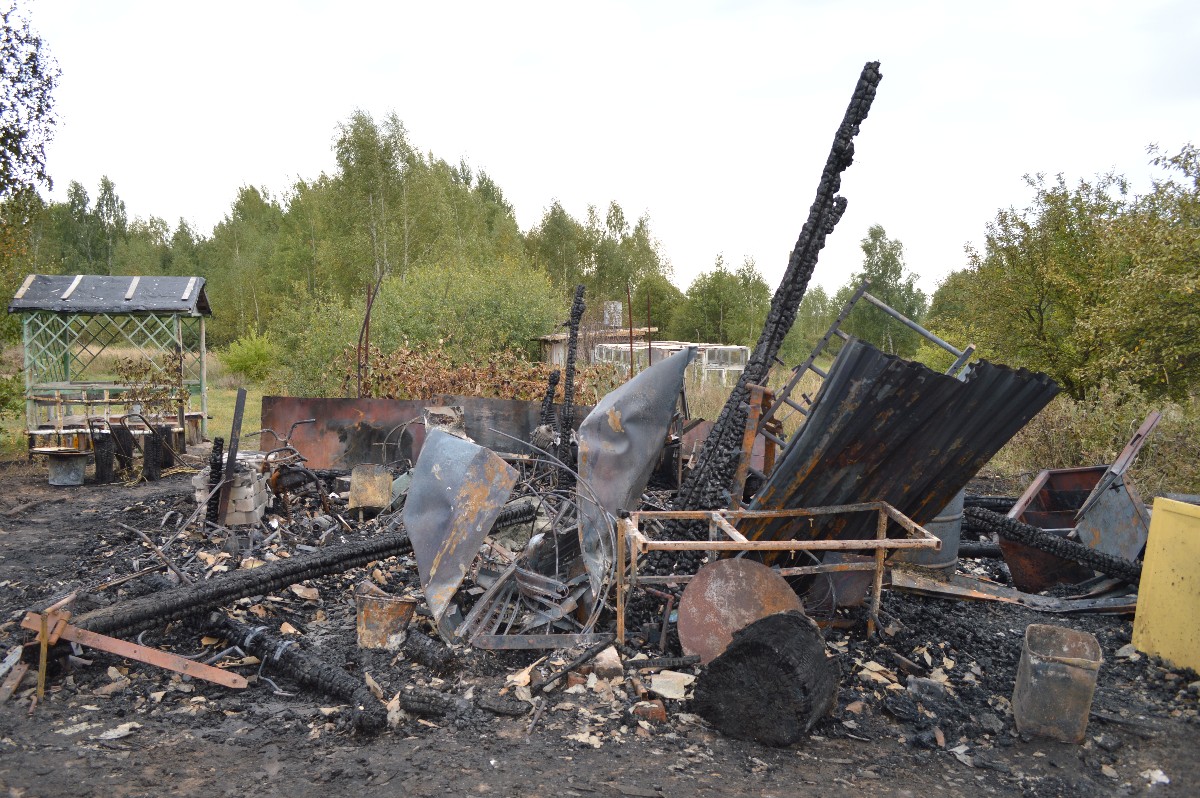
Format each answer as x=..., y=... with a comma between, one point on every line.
x=725, y=596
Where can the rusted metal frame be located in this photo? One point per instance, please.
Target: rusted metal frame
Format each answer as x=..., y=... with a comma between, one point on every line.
x=803, y=570
x=630, y=537
x=41, y=623
x=877, y=583
x=235, y=434
x=728, y=529
x=755, y=401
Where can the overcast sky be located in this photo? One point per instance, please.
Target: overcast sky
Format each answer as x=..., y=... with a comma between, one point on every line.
x=713, y=118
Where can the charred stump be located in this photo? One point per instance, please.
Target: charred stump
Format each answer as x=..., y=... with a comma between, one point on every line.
x=772, y=684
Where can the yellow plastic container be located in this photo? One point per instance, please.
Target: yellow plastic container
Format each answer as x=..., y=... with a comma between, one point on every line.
x=1169, y=593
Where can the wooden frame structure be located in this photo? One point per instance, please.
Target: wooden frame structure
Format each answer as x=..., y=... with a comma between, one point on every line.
x=724, y=537
x=68, y=321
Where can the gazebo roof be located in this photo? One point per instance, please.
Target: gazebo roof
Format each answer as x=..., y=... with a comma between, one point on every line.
x=93, y=293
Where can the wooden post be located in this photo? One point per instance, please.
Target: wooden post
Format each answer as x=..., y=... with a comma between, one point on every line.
x=203, y=386
x=621, y=579
x=877, y=587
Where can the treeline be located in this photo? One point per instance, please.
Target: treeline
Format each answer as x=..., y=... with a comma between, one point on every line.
x=288, y=275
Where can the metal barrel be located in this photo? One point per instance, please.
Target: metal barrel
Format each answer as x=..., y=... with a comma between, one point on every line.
x=947, y=527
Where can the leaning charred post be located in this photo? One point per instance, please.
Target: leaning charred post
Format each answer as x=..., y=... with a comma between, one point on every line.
x=707, y=486
x=159, y=609
x=567, y=419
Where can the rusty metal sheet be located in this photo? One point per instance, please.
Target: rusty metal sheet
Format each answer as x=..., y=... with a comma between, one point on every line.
x=725, y=596
x=353, y=431
x=619, y=444
x=886, y=429
x=458, y=489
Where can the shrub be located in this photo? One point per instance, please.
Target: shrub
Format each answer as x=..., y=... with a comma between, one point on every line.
x=251, y=356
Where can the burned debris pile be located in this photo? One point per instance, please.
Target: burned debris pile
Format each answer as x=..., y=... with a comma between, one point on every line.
x=464, y=561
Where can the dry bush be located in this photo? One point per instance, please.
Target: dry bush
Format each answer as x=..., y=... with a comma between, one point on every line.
x=423, y=372
x=1069, y=434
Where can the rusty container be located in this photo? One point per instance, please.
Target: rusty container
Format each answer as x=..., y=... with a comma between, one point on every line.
x=1056, y=679
x=947, y=527
x=382, y=620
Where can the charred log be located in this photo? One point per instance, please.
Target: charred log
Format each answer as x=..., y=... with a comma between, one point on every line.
x=772, y=684
x=546, y=418
x=216, y=466
x=991, y=523
x=157, y=610
x=433, y=654
x=284, y=656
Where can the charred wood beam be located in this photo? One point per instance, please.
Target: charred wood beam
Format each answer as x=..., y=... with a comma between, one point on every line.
x=546, y=417
x=708, y=485
x=284, y=656
x=988, y=522
x=566, y=420
x=216, y=467
x=159, y=609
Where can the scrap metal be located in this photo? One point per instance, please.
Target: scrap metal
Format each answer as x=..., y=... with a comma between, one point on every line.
x=619, y=445
x=457, y=493
x=886, y=429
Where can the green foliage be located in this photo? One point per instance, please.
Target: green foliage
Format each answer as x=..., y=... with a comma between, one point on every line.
x=1090, y=284
x=723, y=307
x=252, y=356
x=470, y=313
x=661, y=296
x=816, y=312
x=894, y=285
x=27, y=120
x=311, y=332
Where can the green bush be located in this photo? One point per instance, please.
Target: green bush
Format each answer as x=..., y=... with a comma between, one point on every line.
x=252, y=356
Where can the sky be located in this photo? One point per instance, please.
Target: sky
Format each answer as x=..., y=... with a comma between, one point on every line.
x=714, y=118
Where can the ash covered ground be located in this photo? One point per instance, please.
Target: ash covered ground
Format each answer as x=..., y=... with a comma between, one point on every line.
x=111, y=726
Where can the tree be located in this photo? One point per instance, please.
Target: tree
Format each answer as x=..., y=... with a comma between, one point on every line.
x=1090, y=283
x=110, y=213
x=28, y=77
x=893, y=284
x=661, y=296
x=723, y=307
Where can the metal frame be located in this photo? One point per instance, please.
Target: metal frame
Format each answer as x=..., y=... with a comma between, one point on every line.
x=725, y=538
x=59, y=349
x=783, y=397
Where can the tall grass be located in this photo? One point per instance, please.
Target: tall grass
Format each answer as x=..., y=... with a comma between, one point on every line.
x=1070, y=434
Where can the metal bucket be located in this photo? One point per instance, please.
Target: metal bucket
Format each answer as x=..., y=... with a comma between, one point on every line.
x=382, y=620
x=67, y=468
x=947, y=527
x=1056, y=679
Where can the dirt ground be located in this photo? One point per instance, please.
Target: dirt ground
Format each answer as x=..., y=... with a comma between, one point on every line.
x=112, y=727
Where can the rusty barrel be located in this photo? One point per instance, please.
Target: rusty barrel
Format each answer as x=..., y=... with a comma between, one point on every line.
x=947, y=527
x=1056, y=679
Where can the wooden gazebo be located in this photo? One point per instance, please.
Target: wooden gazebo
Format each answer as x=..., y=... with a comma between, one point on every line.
x=68, y=321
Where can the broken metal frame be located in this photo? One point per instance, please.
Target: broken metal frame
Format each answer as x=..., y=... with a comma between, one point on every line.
x=783, y=396
x=724, y=537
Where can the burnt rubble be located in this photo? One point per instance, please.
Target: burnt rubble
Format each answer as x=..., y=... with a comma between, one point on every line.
x=490, y=566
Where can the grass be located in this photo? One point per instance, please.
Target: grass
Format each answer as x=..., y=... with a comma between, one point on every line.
x=706, y=400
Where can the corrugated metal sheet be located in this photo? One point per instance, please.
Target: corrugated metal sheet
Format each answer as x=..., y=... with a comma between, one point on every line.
x=887, y=429
x=93, y=293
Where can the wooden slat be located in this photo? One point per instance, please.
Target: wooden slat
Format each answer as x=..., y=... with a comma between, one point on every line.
x=13, y=680
x=71, y=289
x=132, y=288
x=187, y=292
x=24, y=286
